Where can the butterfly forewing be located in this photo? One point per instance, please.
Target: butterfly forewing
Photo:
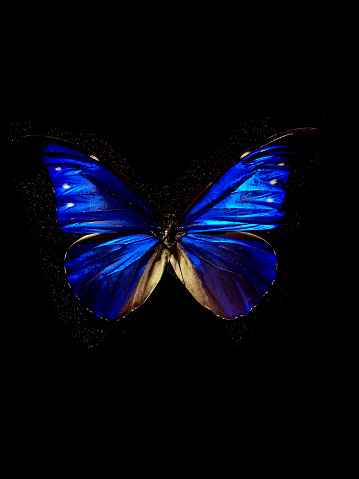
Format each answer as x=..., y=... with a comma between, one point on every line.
x=249, y=194
x=90, y=198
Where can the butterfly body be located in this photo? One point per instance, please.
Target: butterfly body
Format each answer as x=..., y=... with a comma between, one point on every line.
x=118, y=262
x=168, y=233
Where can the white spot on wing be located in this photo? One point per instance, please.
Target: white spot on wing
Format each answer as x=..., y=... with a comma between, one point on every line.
x=66, y=186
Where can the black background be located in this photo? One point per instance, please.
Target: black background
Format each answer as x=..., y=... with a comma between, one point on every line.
x=173, y=391
x=164, y=112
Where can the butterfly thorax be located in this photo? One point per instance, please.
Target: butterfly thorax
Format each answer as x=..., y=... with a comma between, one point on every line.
x=169, y=233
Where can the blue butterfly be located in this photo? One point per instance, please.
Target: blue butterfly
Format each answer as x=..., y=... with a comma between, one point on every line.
x=120, y=259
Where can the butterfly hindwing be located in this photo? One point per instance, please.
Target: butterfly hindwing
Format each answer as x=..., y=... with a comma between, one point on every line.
x=114, y=274
x=227, y=273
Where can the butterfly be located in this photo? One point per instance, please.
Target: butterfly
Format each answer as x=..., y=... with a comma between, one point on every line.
x=212, y=247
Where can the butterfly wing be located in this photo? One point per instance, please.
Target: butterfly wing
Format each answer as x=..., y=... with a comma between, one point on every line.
x=90, y=198
x=227, y=269
x=115, y=274
x=115, y=267
x=227, y=273
x=249, y=194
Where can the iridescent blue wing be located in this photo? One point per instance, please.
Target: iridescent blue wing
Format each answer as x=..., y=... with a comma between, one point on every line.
x=249, y=194
x=115, y=267
x=227, y=269
x=90, y=198
x=227, y=273
x=114, y=274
